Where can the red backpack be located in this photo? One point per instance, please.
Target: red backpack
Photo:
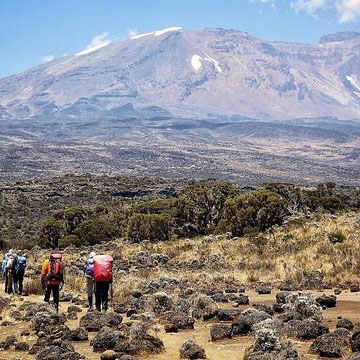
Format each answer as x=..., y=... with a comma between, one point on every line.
x=56, y=268
x=103, y=268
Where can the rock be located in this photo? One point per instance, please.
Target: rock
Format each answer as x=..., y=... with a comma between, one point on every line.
x=22, y=346
x=327, y=346
x=120, y=308
x=47, y=317
x=73, y=308
x=204, y=307
x=25, y=333
x=79, y=334
x=355, y=342
x=266, y=340
x=263, y=290
x=94, y=321
x=72, y=316
x=139, y=343
x=108, y=355
x=253, y=316
x=337, y=291
x=265, y=308
x=177, y=321
x=126, y=357
x=225, y=315
x=243, y=300
x=282, y=296
x=106, y=339
x=220, y=332
x=65, y=297
x=190, y=350
x=161, y=302
x=241, y=327
x=10, y=341
x=327, y=301
x=310, y=329
x=346, y=324
x=354, y=288
x=278, y=308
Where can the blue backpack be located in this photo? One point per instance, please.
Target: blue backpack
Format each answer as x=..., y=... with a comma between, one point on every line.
x=21, y=262
x=89, y=271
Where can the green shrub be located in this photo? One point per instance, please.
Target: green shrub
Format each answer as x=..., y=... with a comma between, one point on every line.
x=331, y=203
x=149, y=227
x=70, y=240
x=257, y=210
x=95, y=231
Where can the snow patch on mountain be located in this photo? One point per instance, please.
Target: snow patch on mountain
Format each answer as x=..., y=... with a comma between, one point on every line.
x=354, y=84
x=157, y=33
x=196, y=62
x=216, y=63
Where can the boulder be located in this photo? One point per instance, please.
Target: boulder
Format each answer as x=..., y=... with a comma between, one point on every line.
x=94, y=321
x=327, y=345
x=106, y=339
x=22, y=346
x=354, y=288
x=346, y=324
x=310, y=329
x=178, y=321
x=79, y=334
x=190, y=350
x=241, y=327
x=327, y=301
x=355, y=342
x=243, y=300
x=282, y=296
x=220, y=332
x=265, y=308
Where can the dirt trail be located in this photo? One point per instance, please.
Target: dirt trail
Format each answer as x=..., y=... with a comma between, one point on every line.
x=348, y=307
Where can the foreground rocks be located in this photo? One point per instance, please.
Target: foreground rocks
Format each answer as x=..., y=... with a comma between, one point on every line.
x=190, y=350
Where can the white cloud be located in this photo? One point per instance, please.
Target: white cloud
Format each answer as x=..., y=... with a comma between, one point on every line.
x=47, y=58
x=349, y=10
x=310, y=6
x=131, y=32
x=96, y=43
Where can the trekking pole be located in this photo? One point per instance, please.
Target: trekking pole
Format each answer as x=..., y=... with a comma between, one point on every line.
x=112, y=296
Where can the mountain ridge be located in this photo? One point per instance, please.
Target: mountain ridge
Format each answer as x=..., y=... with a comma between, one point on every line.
x=197, y=74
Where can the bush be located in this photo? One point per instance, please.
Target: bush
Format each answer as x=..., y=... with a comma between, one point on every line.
x=331, y=203
x=149, y=227
x=69, y=240
x=336, y=237
x=95, y=231
x=256, y=210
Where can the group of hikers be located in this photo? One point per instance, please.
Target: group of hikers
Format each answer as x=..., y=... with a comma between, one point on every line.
x=98, y=270
x=13, y=270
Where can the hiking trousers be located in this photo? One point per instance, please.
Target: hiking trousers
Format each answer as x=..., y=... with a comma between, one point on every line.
x=102, y=295
x=90, y=286
x=9, y=282
x=55, y=291
x=18, y=281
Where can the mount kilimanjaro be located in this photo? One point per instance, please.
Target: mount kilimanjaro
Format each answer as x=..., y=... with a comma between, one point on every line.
x=174, y=103
x=193, y=74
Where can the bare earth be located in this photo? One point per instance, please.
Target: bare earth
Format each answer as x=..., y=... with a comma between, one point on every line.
x=348, y=307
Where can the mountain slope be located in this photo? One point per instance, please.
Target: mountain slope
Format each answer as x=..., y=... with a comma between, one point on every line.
x=193, y=74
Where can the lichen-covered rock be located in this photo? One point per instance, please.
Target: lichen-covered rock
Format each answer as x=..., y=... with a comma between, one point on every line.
x=190, y=350
x=106, y=339
x=79, y=334
x=327, y=345
x=310, y=329
x=346, y=324
x=220, y=332
x=94, y=321
x=327, y=301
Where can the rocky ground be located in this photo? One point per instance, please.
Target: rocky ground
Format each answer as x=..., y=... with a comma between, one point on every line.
x=171, y=321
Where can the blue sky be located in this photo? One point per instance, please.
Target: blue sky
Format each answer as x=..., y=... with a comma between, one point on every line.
x=33, y=31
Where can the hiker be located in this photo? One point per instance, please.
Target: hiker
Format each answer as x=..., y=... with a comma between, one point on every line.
x=89, y=273
x=10, y=270
x=52, y=275
x=20, y=272
x=103, y=275
x=3, y=269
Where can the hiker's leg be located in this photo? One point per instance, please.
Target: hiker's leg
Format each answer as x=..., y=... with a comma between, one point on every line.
x=90, y=290
x=98, y=296
x=6, y=280
x=21, y=281
x=10, y=283
x=16, y=278
x=56, y=295
x=106, y=295
x=47, y=294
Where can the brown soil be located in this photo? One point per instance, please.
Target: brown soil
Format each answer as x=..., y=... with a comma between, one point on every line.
x=348, y=307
